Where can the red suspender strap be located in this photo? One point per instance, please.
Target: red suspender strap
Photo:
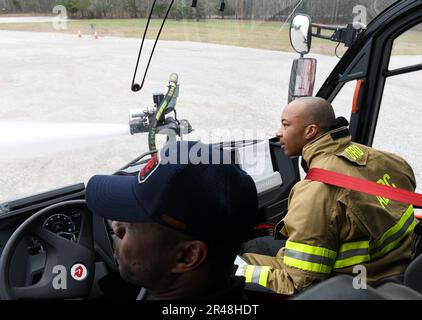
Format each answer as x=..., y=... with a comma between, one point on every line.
x=357, y=184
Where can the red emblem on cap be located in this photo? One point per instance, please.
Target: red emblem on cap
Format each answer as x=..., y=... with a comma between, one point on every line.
x=149, y=168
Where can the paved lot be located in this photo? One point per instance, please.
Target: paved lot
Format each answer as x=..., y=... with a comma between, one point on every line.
x=64, y=103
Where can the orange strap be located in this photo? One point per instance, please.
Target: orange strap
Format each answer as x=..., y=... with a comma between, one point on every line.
x=355, y=107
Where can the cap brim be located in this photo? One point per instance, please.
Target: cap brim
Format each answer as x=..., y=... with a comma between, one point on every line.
x=113, y=198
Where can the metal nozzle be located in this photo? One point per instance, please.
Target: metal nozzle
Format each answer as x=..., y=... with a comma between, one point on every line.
x=174, y=78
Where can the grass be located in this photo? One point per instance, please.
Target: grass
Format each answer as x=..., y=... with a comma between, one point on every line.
x=409, y=43
x=252, y=34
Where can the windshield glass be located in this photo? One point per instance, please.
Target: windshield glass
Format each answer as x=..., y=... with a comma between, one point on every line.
x=65, y=83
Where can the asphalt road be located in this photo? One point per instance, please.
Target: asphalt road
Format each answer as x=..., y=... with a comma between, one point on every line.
x=64, y=103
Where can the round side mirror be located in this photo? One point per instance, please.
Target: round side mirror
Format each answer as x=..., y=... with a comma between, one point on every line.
x=301, y=33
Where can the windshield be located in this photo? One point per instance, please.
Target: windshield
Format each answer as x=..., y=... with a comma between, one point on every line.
x=65, y=83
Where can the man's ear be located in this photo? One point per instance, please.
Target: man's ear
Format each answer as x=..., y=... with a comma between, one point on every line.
x=190, y=255
x=311, y=132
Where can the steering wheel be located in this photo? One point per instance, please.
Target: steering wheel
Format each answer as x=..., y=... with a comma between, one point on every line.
x=70, y=266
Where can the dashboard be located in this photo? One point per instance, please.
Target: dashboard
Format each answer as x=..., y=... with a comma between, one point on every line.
x=29, y=259
x=64, y=223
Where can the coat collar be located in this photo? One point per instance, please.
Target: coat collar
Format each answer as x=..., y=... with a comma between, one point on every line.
x=336, y=142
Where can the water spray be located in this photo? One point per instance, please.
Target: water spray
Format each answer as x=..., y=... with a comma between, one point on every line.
x=27, y=139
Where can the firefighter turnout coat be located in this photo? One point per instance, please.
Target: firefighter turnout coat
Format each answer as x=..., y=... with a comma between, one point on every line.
x=330, y=230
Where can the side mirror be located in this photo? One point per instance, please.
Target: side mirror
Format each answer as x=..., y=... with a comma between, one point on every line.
x=302, y=78
x=301, y=33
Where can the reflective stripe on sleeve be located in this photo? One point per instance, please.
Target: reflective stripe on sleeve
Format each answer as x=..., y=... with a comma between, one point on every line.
x=313, y=250
x=257, y=274
x=309, y=258
x=353, y=253
x=248, y=273
x=395, y=234
x=323, y=260
x=263, y=277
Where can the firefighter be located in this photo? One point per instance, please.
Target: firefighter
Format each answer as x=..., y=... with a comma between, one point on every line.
x=330, y=230
x=180, y=222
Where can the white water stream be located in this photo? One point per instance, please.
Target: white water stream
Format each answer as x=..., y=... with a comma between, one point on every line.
x=28, y=139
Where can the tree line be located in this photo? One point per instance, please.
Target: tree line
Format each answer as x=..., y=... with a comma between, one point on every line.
x=114, y=9
x=323, y=11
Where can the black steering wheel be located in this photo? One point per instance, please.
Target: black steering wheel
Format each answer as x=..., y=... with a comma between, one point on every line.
x=75, y=259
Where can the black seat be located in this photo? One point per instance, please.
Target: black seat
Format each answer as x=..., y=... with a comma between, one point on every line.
x=398, y=278
x=396, y=291
x=341, y=288
x=413, y=274
x=338, y=288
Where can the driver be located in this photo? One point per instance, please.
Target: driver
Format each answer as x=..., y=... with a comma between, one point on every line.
x=330, y=230
x=180, y=222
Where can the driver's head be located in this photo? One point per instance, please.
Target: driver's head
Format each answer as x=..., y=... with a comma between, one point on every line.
x=302, y=121
x=182, y=219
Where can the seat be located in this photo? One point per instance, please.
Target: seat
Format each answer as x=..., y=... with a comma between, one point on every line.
x=413, y=274
x=398, y=278
x=341, y=288
x=396, y=291
x=338, y=288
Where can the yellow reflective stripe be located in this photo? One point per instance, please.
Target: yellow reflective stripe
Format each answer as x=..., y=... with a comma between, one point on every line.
x=394, y=244
x=394, y=229
x=305, y=265
x=257, y=274
x=353, y=253
x=312, y=258
x=309, y=258
x=263, y=276
x=249, y=273
x=305, y=248
x=354, y=245
x=347, y=262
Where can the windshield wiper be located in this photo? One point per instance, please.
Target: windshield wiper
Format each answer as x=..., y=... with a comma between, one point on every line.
x=136, y=86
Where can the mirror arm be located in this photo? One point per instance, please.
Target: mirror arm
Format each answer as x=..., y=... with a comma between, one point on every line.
x=343, y=34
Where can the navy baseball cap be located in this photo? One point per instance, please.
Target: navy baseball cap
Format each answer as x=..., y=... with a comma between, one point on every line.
x=192, y=187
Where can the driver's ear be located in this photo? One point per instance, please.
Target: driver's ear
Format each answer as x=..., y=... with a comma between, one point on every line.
x=190, y=255
x=311, y=131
